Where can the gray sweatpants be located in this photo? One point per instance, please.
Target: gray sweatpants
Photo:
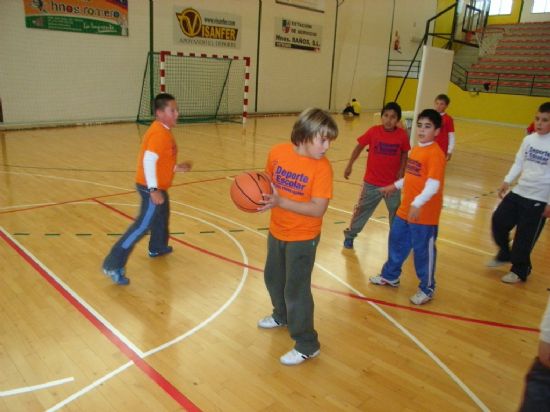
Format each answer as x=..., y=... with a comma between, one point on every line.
x=287, y=277
x=368, y=201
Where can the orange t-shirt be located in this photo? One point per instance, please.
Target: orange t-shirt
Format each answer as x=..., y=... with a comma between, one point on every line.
x=424, y=163
x=158, y=139
x=298, y=178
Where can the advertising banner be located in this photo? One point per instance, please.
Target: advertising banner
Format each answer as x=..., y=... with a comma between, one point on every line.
x=293, y=34
x=206, y=28
x=83, y=16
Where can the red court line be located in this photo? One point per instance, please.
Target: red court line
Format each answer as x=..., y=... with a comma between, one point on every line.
x=350, y=295
x=151, y=372
x=183, y=242
x=429, y=312
x=99, y=197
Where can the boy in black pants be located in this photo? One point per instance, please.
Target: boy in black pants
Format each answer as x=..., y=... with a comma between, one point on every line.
x=525, y=207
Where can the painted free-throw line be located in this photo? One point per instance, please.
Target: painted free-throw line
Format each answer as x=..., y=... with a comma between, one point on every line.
x=132, y=353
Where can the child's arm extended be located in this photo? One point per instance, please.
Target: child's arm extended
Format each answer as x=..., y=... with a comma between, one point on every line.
x=430, y=189
x=354, y=155
x=513, y=173
x=316, y=207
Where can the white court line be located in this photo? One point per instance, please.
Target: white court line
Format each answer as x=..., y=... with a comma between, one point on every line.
x=415, y=340
x=90, y=387
x=385, y=314
x=225, y=305
x=35, y=387
x=180, y=338
x=24, y=206
x=64, y=178
x=439, y=238
x=76, y=296
x=399, y=326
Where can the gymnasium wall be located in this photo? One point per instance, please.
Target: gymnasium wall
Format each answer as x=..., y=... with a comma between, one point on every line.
x=53, y=76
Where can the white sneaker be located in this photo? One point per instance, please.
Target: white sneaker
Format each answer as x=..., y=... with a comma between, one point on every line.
x=295, y=358
x=495, y=263
x=379, y=280
x=510, y=277
x=269, y=323
x=419, y=298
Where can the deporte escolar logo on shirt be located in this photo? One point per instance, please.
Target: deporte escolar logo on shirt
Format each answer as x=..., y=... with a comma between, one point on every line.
x=207, y=28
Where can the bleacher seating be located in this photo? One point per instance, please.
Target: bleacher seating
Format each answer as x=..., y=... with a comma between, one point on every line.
x=519, y=64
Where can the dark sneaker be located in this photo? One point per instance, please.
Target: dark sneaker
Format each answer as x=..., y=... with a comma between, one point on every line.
x=165, y=251
x=118, y=276
x=348, y=243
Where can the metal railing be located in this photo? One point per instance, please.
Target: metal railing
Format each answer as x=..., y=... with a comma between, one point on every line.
x=399, y=68
x=507, y=83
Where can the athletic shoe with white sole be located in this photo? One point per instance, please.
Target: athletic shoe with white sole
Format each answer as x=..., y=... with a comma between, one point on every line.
x=380, y=281
x=295, y=358
x=156, y=253
x=510, y=277
x=419, y=298
x=118, y=276
x=269, y=323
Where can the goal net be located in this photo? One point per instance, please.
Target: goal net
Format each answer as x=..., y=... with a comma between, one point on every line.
x=206, y=88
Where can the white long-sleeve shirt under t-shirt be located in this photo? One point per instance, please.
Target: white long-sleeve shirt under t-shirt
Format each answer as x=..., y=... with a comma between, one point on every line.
x=533, y=164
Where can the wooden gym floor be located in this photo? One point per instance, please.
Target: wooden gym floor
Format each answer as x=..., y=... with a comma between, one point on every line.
x=183, y=334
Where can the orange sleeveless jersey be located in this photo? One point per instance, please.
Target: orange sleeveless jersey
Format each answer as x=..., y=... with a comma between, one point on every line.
x=423, y=163
x=158, y=139
x=298, y=178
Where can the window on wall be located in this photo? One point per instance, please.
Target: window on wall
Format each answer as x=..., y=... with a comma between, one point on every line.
x=541, y=6
x=499, y=7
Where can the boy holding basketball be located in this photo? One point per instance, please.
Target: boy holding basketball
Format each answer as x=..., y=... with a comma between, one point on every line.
x=446, y=137
x=302, y=188
x=155, y=171
x=388, y=148
x=526, y=206
x=415, y=225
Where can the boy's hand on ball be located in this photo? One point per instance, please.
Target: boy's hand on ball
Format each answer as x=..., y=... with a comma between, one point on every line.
x=270, y=200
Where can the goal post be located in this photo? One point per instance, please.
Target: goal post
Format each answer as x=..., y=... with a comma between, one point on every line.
x=207, y=88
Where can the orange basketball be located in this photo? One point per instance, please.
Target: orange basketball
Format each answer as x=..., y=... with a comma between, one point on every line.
x=247, y=188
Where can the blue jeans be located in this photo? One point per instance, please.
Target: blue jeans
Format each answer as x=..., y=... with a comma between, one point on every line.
x=151, y=217
x=404, y=237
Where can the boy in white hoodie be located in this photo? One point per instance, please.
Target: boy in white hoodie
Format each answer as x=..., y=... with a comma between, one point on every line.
x=526, y=206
